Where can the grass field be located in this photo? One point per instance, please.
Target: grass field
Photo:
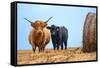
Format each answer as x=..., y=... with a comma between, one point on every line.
x=51, y=56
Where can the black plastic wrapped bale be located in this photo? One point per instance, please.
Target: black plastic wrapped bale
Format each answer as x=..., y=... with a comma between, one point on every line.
x=89, y=33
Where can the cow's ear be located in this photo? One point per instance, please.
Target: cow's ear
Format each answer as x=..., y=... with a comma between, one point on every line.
x=48, y=27
x=57, y=28
x=45, y=25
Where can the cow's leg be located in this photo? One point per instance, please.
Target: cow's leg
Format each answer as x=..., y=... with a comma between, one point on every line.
x=57, y=46
x=62, y=46
x=54, y=43
x=65, y=43
x=33, y=48
x=42, y=49
x=54, y=46
x=39, y=49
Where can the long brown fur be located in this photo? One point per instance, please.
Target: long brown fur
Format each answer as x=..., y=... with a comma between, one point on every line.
x=40, y=40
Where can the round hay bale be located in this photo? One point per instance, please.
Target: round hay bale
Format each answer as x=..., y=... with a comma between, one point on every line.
x=89, y=33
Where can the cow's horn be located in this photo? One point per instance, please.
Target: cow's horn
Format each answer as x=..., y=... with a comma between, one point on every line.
x=48, y=19
x=27, y=20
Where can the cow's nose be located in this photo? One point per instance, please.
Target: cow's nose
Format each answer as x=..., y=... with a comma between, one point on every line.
x=39, y=33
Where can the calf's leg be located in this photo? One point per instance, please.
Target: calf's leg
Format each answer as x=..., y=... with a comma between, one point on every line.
x=54, y=46
x=61, y=46
x=57, y=46
x=65, y=43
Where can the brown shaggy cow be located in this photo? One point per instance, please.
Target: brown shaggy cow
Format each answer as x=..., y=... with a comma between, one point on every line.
x=39, y=36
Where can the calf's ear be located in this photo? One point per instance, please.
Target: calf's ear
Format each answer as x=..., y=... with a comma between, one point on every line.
x=57, y=28
x=48, y=27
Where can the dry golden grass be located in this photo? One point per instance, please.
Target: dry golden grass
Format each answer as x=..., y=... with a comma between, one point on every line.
x=51, y=56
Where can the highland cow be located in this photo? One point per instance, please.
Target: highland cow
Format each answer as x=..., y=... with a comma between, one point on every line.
x=40, y=35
